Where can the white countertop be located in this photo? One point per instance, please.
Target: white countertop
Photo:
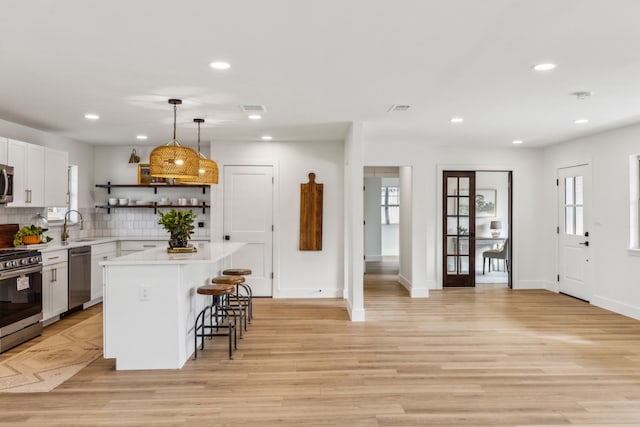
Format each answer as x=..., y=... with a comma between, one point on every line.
x=57, y=244
x=207, y=253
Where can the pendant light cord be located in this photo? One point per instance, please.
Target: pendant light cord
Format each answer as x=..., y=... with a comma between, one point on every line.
x=199, y=152
x=175, y=109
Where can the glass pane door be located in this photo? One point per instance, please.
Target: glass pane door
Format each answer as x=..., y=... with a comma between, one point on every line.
x=459, y=228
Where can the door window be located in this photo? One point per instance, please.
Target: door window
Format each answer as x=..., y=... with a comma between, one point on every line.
x=573, y=205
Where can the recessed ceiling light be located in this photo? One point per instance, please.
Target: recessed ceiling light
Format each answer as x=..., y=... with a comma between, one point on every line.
x=456, y=120
x=220, y=65
x=517, y=141
x=581, y=121
x=141, y=136
x=267, y=137
x=547, y=66
x=91, y=116
x=255, y=116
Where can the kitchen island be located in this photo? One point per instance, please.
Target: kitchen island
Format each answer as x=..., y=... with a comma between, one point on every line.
x=150, y=303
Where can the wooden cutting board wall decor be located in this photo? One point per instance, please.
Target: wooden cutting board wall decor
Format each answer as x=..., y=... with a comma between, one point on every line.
x=311, y=215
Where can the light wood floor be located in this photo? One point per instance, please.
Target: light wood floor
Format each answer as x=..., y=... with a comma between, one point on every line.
x=463, y=357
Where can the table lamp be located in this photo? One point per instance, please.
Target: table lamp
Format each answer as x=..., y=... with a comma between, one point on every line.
x=495, y=227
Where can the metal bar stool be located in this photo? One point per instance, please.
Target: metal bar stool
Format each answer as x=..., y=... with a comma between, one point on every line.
x=233, y=282
x=218, y=310
x=248, y=298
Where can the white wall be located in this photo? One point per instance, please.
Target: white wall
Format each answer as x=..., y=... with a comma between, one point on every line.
x=616, y=270
x=298, y=273
x=428, y=161
x=405, y=273
x=372, y=219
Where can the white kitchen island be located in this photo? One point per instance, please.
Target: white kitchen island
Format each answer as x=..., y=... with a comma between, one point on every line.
x=150, y=304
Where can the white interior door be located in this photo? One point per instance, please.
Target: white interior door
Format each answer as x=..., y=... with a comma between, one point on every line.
x=248, y=218
x=573, y=201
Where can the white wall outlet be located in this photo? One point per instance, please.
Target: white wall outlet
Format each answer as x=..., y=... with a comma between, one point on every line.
x=145, y=293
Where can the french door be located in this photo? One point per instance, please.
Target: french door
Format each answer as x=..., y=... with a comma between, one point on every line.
x=459, y=227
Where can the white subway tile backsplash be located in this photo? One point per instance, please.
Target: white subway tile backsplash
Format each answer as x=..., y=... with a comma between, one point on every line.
x=99, y=223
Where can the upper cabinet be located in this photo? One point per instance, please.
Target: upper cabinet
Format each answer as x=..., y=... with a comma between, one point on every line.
x=56, y=184
x=30, y=169
x=3, y=150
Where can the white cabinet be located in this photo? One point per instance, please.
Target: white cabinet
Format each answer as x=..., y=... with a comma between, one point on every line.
x=28, y=179
x=99, y=252
x=56, y=184
x=131, y=246
x=3, y=150
x=55, y=284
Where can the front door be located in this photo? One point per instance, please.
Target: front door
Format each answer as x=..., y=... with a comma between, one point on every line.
x=573, y=235
x=248, y=218
x=459, y=228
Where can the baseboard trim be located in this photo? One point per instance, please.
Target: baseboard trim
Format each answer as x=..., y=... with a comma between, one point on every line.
x=356, y=315
x=404, y=282
x=373, y=258
x=552, y=286
x=616, y=306
x=311, y=293
x=530, y=284
x=414, y=292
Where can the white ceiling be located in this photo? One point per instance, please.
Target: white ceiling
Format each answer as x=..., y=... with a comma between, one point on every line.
x=319, y=65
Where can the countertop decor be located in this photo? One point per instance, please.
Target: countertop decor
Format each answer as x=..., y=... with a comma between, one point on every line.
x=179, y=224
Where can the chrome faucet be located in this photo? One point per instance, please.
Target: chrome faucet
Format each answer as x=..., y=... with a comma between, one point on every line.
x=65, y=231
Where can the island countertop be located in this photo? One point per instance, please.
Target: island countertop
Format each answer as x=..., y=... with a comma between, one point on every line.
x=208, y=252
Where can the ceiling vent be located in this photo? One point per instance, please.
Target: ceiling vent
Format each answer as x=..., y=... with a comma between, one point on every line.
x=582, y=95
x=398, y=107
x=253, y=108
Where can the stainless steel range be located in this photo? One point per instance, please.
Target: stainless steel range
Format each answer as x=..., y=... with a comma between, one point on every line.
x=20, y=297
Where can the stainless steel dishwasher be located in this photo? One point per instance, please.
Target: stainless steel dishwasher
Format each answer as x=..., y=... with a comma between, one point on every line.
x=79, y=276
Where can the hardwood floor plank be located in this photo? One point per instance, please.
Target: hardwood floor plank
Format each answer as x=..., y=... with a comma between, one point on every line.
x=463, y=357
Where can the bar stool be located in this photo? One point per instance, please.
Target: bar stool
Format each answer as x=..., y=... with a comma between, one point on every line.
x=220, y=310
x=233, y=282
x=249, y=297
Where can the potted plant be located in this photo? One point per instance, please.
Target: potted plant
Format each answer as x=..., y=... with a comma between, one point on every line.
x=30, y=235
x=179, y=224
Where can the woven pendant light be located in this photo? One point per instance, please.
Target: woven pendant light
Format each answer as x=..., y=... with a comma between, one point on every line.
x=173, y=160
x=207, y=169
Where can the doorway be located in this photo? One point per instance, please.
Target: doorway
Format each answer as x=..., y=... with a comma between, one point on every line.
x=476, y=224
x=382, y=220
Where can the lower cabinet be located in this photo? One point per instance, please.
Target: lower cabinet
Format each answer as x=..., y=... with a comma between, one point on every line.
x=131, y=246
x=100, y=252
x=55, y=284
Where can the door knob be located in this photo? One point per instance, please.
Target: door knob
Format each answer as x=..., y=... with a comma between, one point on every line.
x=227, y=237
x=585, y=243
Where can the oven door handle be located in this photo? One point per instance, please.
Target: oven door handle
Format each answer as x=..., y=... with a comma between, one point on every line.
x=5, y=176
x=18, y=272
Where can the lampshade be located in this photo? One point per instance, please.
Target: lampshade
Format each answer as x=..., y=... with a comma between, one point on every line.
x=207, y=169
x=134, y=158
x=173, y=160
x=495, y=225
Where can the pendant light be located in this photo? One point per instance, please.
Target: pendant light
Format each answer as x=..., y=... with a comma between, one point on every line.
x=207, y=169
x=173, y=160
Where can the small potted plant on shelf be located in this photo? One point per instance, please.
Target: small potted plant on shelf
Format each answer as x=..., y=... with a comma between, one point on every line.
x=179, y=224
x=30, y=235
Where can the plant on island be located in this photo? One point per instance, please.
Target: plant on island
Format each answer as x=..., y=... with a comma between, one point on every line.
x=179, y=224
